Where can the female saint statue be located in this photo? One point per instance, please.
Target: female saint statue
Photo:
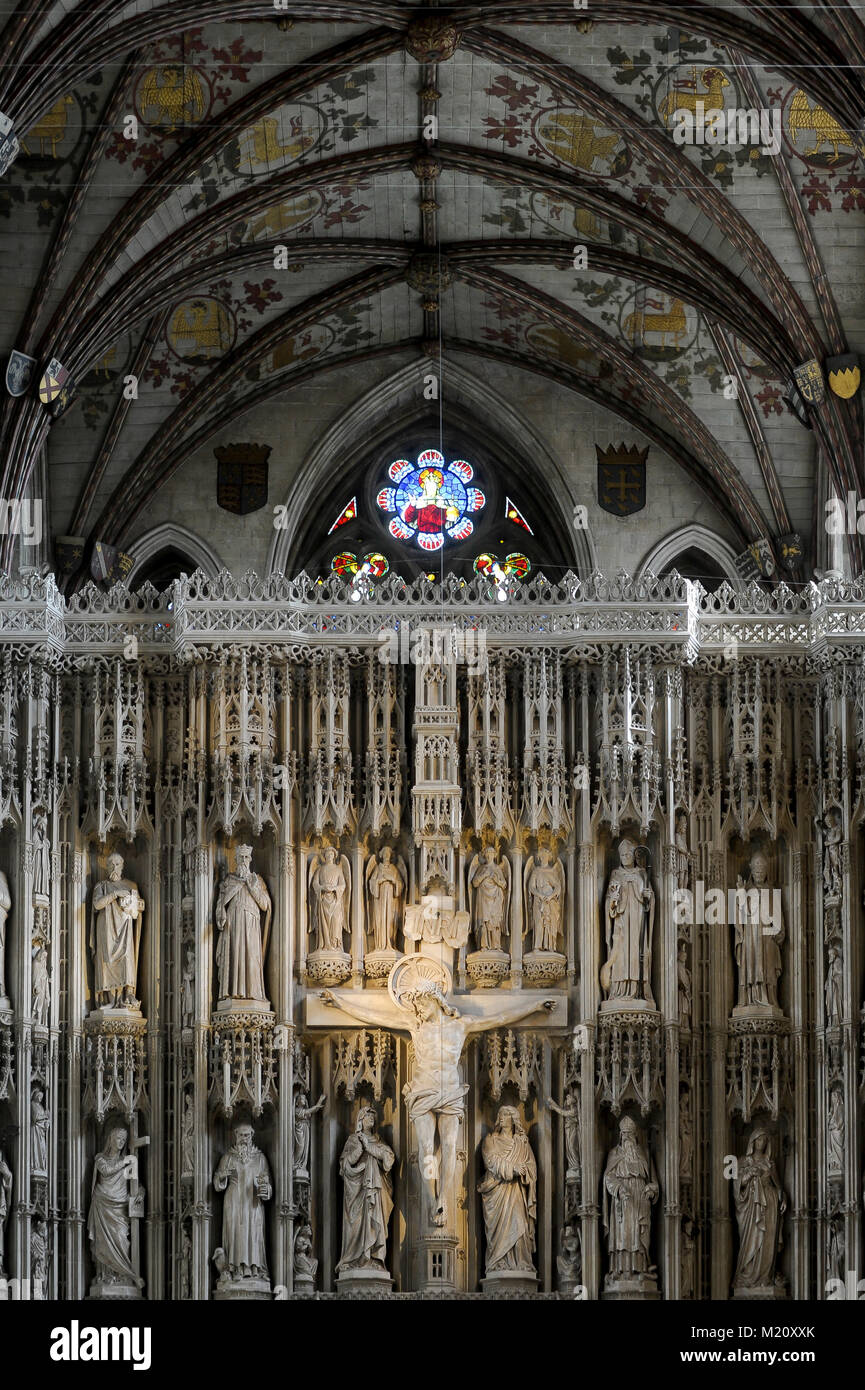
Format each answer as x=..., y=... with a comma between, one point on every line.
x=108, y=1225
x=760, y=1204
x=367, y=1202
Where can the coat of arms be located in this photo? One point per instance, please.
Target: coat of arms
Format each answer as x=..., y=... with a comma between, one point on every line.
x=809, y=381
x=68, y=554
x=241, y=479
x=790, y=551
x=9, y=146
x=108, y=564
x=19, y=372
x=622, y=478
x=52, y=382
x=757, y=561
x=844, y=374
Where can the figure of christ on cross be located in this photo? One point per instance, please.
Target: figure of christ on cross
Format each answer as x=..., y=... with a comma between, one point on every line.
x=435, y=1097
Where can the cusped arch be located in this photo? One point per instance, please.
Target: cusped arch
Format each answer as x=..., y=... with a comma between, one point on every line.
x=169, y=535
x=363, y=420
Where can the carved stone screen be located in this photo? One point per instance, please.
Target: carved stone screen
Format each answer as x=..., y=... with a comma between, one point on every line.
x=432, y=660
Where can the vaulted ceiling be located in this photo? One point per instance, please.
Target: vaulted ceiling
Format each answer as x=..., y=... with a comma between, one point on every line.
x=430, y=173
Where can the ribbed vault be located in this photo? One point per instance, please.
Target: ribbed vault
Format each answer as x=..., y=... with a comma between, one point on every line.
x=429, y=172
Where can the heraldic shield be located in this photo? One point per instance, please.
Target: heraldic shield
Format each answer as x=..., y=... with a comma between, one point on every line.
x=844, y=374
x=19, y=372
x=809, y=382
x=108, y=564
x=622, y=478
x=241, y=479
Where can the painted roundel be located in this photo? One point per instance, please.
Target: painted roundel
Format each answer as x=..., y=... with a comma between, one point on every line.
x=431, y=501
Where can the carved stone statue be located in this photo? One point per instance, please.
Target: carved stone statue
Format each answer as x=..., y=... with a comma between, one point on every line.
x=569, y=1261
x=41, y=856
x=570, y=1113
x=490, y=887
x=185, y=1264
x=759, y=934
x=365, y=1164
x=305, y=1263
x=835, y=1134
x=760, y=1204
x=5, y=1203
x=689, y=1261
x=509, y=1193
x=40, y=1126
x=187, y=1137
x=835, y=1250
x=630, y=1189
x=187, y=987
x=190, y=844
x=39, y=1257
x=435, y=1096
x=302, y=1112
x=545, y=900
x=387, y=883
x=834, y=988
x=683, y=854
x=330, y=894
x=630, y=918
x=115, y=933
x=832, y=867
x=685, y=985
x=686, y=1135
x=40, y=984
x=5, y=905
x=242, y=944
x=109, y=1226
x=243, y=1175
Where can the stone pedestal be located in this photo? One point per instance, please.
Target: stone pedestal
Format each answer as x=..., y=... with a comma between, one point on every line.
x=374, y=1282
x=249, y=1011
x=570, y=1287
x=759, y=1013
x=627, y=1006
x=510, y=1283
x=243, y=1291
x=328, y=968
x=304, y=1284
x=772, y=1293
x=631, y=1286
x=377, y=965
x=544, y=968
x=114, y=1293
x=437, y=1253
x=488, y=969
x=124, y=1014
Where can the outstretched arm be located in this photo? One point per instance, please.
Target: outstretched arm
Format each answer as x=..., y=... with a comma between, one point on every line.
x=511, y=1013
x=379, y=1013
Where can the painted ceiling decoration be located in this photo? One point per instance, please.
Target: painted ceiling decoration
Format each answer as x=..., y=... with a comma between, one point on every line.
x=223, y=206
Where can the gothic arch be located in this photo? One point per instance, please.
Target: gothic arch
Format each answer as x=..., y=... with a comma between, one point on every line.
x=169, y=534
x=657, y=559
x=367, y=415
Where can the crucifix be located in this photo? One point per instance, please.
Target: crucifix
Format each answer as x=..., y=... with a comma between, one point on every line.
x=417, y=1005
